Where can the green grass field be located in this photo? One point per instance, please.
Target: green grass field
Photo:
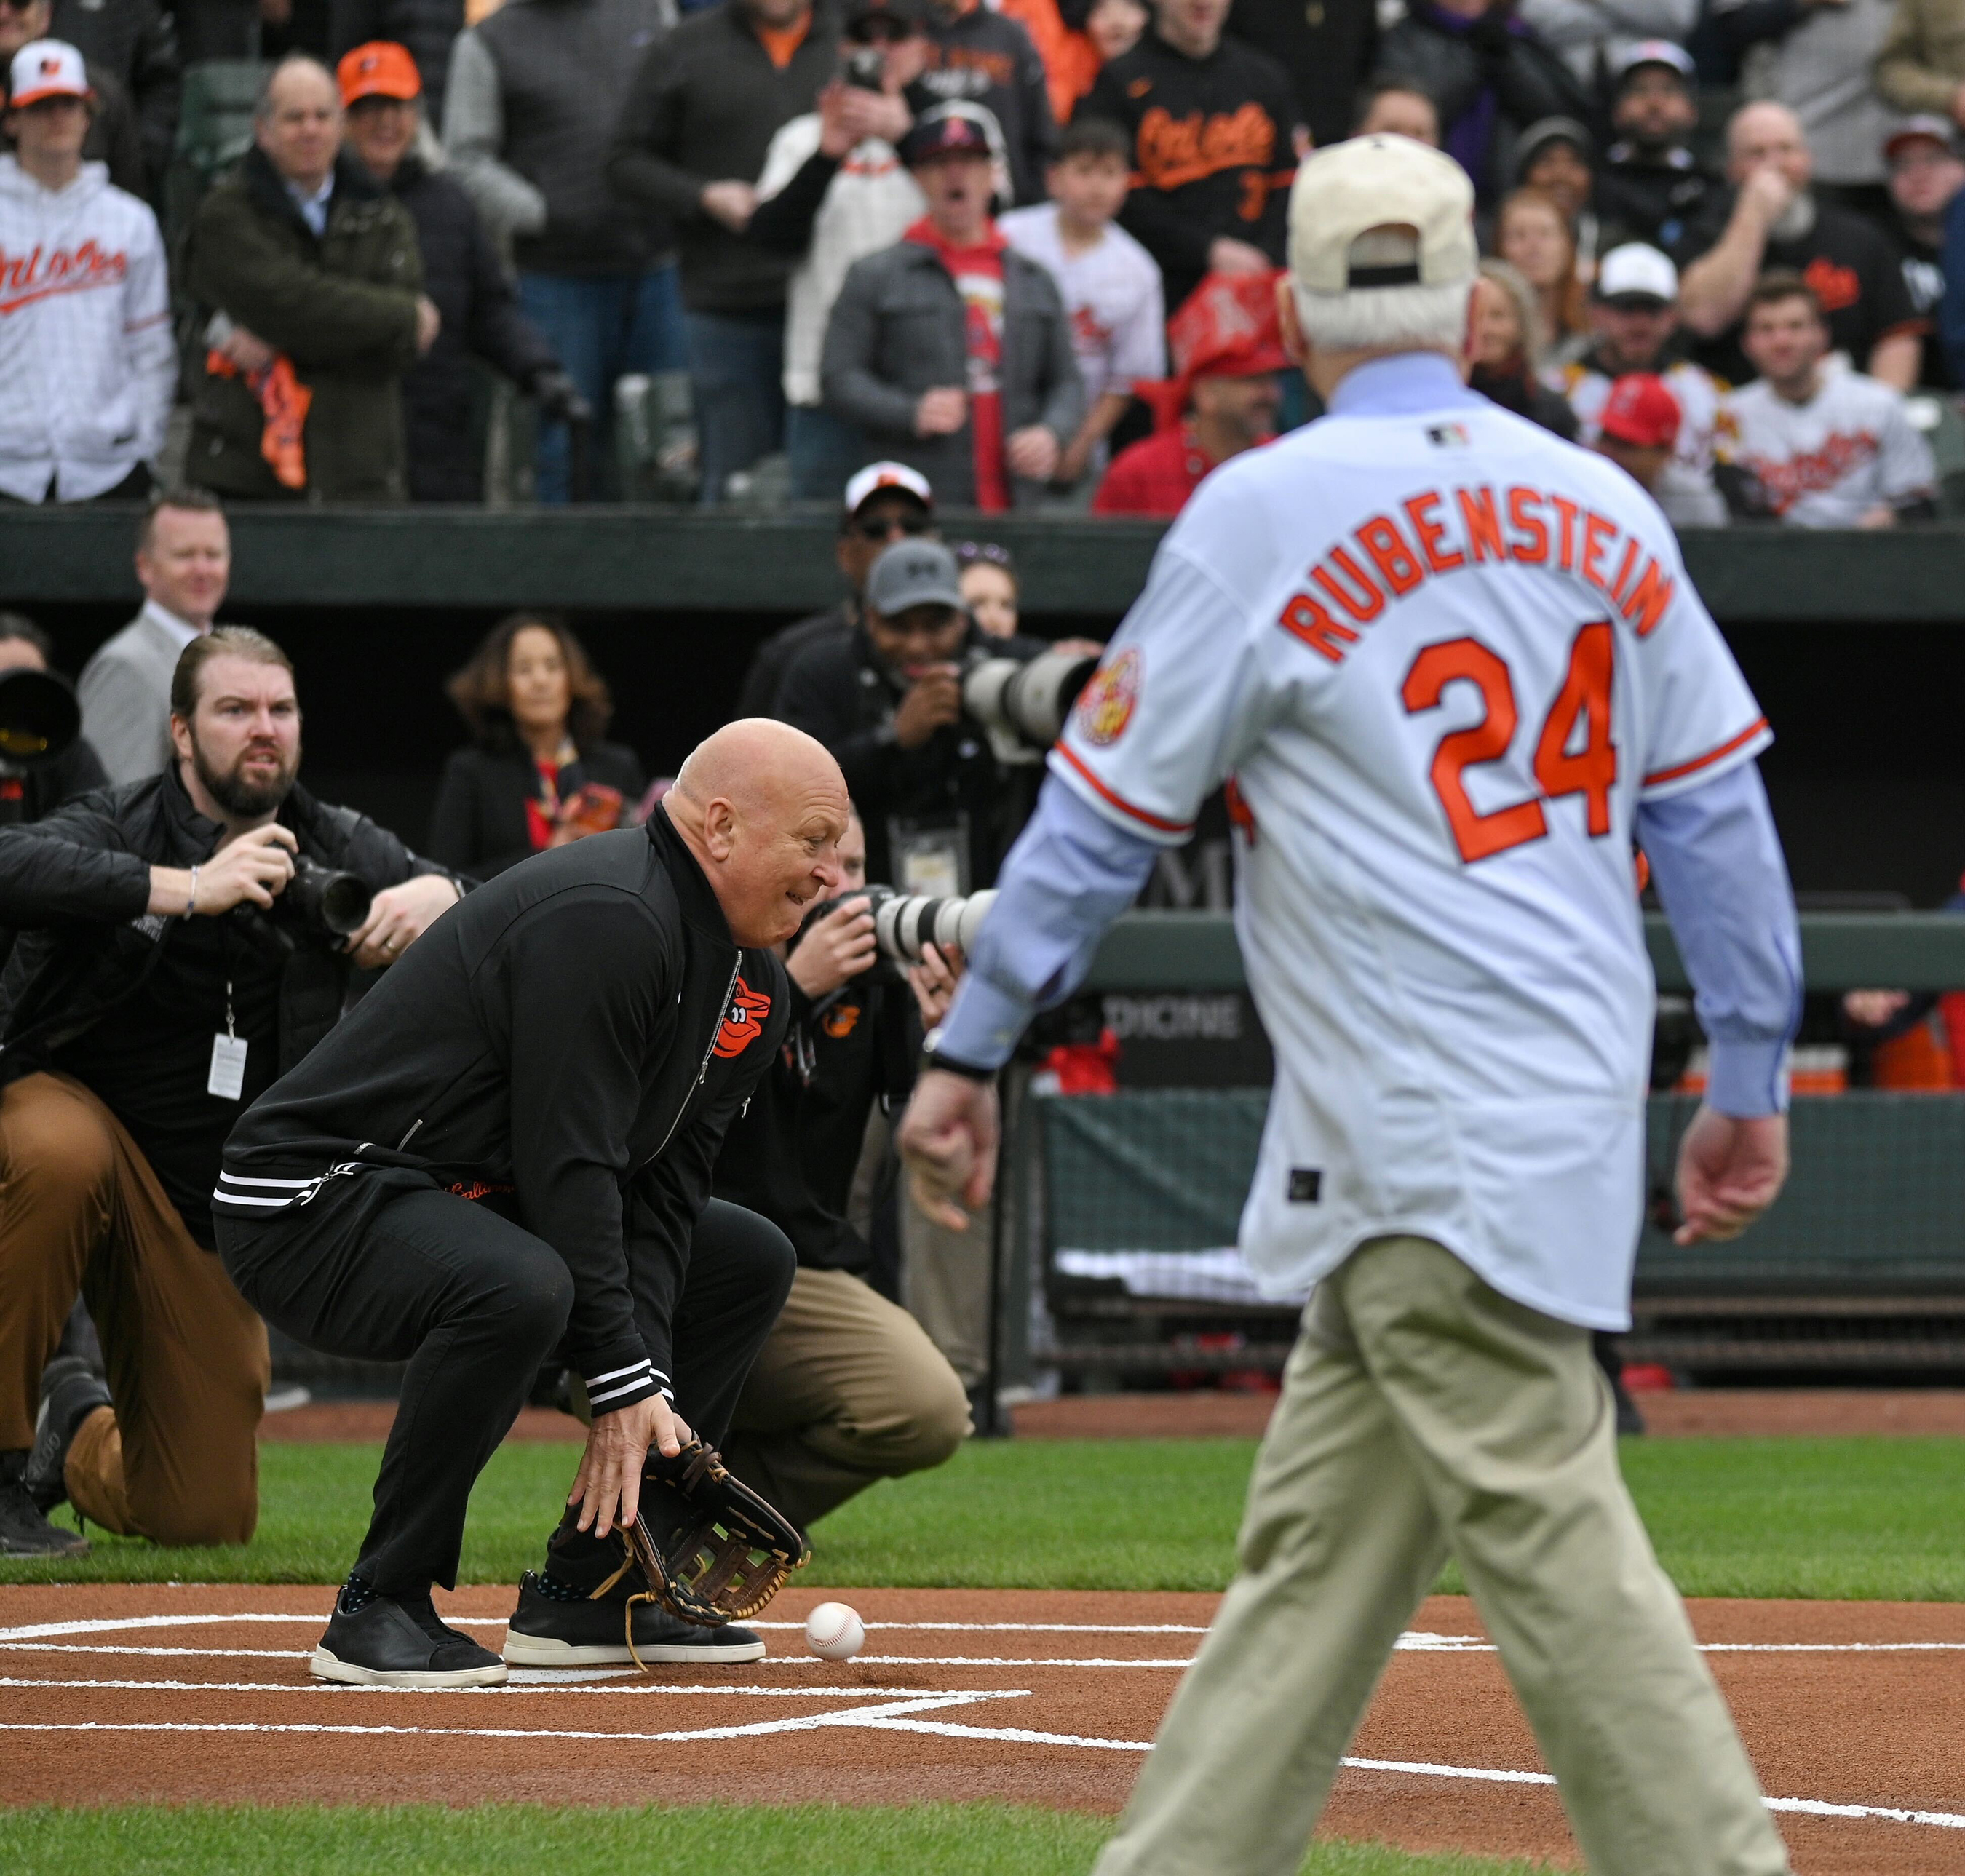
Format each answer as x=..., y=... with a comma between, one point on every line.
x=1881, y=1518
x=496, y=1839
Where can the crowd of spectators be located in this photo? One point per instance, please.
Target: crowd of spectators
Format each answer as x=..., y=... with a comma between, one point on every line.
x=1026, y=248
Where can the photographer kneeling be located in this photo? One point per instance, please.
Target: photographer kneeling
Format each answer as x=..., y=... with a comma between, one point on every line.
x=168, y=970
x=848, y=1388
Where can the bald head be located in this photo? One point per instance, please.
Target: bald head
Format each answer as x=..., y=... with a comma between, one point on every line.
x=298, y=121
x=1768, y=135
x=763, y=807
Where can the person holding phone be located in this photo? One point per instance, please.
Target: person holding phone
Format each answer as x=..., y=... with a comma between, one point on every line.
x=537, y=774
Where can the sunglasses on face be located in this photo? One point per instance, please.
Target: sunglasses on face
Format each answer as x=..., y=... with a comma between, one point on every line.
x=885, y=527
x=878, y=32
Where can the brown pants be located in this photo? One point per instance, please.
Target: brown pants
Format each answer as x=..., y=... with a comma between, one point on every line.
x=81, y=1210
x=847, y=1390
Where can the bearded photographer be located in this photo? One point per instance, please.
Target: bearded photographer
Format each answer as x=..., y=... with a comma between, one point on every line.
x=168, y=971
x=847, y=1389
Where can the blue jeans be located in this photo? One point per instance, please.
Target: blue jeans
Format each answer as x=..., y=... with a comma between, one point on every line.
x=826, y=452
x=736, y=375
x=602, y=327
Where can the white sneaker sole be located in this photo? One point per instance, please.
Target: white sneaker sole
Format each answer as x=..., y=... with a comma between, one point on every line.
x=543, y=1651
x=326, y=1665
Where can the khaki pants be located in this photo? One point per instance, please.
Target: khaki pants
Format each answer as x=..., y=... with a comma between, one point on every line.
x=1423, y=1414
x=81, y=1210
x=846, y=1390
x=945, y=1283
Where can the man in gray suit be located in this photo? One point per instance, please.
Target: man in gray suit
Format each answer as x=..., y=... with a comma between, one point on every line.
x=184, y=562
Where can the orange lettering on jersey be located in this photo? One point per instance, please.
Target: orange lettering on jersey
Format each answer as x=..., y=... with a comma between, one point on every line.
x=1484, y=524
x=1380, y=538
x=1567, y=513
x=1645, y=603
x=1624, y=566
x=1303, y=617
x=1532, y=547
x=1370, y=601
x=1599, y=530
x=1171, y=151
x=1431, y=533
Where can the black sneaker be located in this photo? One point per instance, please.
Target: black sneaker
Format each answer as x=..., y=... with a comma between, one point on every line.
x=556, y=1627
x=71, y=1391
x=24, y=1530
x=398, y=1641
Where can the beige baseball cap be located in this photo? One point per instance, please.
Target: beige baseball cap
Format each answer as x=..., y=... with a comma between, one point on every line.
x=1374, y=183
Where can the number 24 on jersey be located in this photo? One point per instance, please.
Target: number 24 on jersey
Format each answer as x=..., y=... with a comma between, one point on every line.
x=1589, y=770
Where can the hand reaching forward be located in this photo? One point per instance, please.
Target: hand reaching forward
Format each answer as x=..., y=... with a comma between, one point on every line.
x=608, y=1487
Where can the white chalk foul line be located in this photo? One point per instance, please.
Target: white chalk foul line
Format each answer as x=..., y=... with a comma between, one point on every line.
x=314, y=1687
x=804, y=1723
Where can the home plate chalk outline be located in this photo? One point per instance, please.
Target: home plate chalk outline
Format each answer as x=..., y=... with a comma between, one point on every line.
x=892, y=1710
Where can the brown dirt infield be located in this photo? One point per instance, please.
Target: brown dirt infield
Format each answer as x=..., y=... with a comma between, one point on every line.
x=201, y=1692
x=1207, y=1414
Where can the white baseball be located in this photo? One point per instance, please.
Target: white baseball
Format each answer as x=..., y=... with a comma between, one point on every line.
x=834, y=1632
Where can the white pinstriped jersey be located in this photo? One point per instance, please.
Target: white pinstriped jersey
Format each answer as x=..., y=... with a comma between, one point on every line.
x=1443, y=655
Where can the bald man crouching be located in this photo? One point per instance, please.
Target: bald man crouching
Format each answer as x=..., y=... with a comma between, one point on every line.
x=504, y=1155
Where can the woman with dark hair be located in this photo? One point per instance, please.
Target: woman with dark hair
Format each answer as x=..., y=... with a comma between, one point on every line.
x=538, y=774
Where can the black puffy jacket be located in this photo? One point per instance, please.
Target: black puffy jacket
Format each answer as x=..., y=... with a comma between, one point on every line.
x=482, y=318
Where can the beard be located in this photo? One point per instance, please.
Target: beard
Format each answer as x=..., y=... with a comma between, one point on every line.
x=233, y=793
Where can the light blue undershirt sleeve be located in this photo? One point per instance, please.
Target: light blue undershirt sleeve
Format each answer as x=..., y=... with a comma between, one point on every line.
x=1071, y=873
x=1717, y=863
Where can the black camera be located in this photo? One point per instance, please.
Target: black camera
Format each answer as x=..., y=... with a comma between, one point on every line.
x=865, y=68
x=40, y=720
x=324, y=900
x=1023, y=706
x=903, y=922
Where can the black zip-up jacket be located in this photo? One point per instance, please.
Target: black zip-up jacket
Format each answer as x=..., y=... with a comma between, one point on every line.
x=90, y=955
x=1213, y=151
x=579, y=1033
x=706, y=103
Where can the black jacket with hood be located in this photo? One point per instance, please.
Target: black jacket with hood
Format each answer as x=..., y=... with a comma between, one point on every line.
x=579, y=1034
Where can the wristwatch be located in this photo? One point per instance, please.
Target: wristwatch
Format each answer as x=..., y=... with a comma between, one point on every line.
x=933, y=1057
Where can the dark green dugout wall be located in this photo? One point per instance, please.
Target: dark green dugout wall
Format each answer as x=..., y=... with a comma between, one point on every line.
x=1855, y=643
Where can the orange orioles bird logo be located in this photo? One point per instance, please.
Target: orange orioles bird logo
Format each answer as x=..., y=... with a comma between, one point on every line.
x=743, y=1022
x=1105, y=704
x=840, y=1020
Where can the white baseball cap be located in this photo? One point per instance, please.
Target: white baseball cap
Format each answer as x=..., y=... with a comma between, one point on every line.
x=1636, y=269
x=877, y=476
x=46, y=68
x=1381, y=182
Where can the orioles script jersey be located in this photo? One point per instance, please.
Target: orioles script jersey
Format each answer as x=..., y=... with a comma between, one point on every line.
x=1441, y=656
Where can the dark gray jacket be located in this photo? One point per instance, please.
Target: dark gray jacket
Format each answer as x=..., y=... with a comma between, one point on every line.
x=533, y=93
x=899, y=328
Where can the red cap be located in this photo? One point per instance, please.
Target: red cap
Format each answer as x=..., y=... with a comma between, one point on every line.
x=381, y=69
x=1640, y=411
x=1228, y=327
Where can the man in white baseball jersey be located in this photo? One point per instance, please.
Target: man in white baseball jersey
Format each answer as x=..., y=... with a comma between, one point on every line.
x=87, y=366
x=1823, y=446
x=1455, y=670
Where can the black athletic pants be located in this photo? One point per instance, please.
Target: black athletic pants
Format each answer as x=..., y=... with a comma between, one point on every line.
x=474, y=1304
